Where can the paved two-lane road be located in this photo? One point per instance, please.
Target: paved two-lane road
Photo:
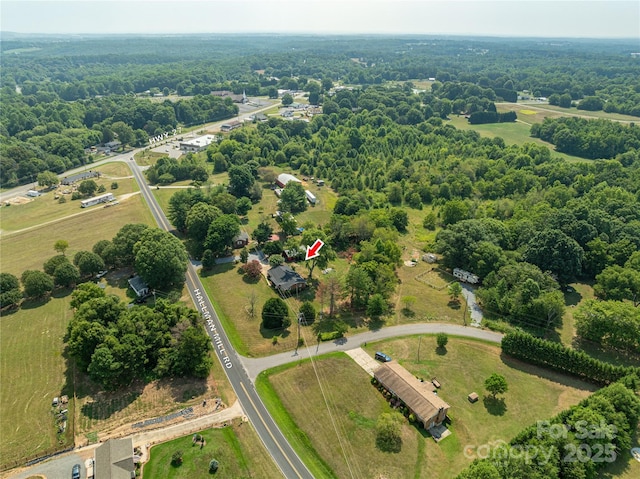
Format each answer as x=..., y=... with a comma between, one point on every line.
x=279, y=448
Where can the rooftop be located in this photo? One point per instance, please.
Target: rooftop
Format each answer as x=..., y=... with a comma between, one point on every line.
x=283, y=277
x=417, y=395
x=114, y=459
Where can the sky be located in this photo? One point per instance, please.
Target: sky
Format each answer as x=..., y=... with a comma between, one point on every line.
x=520, y=18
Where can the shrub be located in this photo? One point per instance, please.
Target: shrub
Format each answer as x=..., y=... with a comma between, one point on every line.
x=114, y=185
x=330, y=335
x=275, y=314
x=442, y=339
x=213, y=466
x=62, y=200
x=176, y=458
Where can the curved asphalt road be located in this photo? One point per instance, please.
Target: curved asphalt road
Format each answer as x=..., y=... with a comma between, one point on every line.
x=256, y=366
x=279, y=448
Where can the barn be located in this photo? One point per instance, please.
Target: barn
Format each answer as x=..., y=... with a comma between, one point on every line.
x=285, y=178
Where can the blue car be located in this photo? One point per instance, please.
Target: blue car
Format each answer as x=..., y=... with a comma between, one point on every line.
x=75, y=472
x=385, y=358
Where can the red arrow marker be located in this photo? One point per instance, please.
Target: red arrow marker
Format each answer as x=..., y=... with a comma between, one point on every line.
x=314, y=251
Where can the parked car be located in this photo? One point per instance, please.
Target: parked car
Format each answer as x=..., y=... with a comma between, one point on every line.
x=385, y=358
x=75, y=472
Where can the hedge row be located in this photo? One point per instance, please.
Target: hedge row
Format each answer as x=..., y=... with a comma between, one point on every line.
x=553, y=355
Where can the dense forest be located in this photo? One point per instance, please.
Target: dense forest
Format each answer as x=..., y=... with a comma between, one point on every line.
x=60, y=96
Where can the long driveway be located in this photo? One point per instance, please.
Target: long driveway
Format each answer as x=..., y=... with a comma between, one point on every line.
x=255, y=366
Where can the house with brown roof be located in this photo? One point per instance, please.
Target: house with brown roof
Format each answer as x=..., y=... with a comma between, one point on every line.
x=418, y=396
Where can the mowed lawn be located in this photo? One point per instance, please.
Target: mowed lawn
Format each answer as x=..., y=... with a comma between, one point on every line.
x=46, y=209
x=343, y=424
x=237, y=449
x=29, y=249
x=33, y=372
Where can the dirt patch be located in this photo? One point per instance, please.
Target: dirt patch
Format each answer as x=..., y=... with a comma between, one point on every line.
x=18, y=200
x=113, y=414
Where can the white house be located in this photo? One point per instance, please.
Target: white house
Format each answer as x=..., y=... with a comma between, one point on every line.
x=97, y=199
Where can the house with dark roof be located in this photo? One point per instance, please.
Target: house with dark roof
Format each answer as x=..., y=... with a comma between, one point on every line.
x=241, y=240
x=85, y=175
x=139, y=286
x=418, y=396
x=114, y=460
x=283, y=278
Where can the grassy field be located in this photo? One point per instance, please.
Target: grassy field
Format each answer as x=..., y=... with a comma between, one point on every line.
x=237, y=449
x=575, y=112
x=82, y=231
x=33, y=372
x=297, y=389
x=516, y=133
x=46, y=209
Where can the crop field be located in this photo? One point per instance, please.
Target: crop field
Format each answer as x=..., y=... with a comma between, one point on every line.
x=237, y=449
x=346, y=437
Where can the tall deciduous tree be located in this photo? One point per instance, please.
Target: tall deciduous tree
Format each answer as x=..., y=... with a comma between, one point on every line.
x=88, y=187
x=221, y=232
x=326, y=253
x=293, y=198
x=37, y=284
x=48, y=178
x=160, y=259
x=66, y=275
x=496, y=384
x=240, y=181
x=125, y=240
x=552, y=250
x=262, y=233
x=10, y=294
x=61, y=246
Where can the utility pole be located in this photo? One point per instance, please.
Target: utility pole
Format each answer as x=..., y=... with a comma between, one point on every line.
x=300, y=319
x=419, y=342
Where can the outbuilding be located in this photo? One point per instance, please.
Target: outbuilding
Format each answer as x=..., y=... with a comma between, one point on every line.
x=285, y=178
x=241, y=240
